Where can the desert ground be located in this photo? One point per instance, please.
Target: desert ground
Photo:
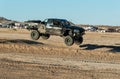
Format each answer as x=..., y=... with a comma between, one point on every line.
x=98, y=57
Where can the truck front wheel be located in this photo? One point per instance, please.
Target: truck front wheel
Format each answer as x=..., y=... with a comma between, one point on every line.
x=35, y=35
x=69, y=41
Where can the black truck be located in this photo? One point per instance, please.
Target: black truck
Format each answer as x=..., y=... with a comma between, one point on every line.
x=60, y=27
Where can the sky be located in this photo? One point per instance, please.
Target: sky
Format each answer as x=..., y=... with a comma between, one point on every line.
x=93, y=12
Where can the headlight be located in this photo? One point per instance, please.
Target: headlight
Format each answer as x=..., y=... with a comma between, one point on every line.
x=76, y=30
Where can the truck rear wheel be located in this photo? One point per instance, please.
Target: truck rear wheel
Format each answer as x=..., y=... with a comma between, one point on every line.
x=35, y=35
x=69, y=41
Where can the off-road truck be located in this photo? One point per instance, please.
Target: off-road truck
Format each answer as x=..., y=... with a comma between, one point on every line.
x=60, y=27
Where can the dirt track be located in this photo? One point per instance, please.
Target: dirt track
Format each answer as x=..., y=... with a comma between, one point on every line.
x=22, y=58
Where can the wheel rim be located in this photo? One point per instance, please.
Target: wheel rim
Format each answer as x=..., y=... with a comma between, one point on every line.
x=35, y=35
x=69, y=41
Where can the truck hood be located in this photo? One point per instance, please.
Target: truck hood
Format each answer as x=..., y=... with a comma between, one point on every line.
x=79, y=28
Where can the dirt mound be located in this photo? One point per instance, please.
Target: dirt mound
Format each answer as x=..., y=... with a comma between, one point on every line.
x=14, y=31
x=84, y=52
x=20, y=41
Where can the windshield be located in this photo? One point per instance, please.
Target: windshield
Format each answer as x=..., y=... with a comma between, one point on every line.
x=72, y=24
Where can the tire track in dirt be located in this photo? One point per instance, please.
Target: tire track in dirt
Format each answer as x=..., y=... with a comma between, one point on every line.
x=28, y=46
x=28, y=66
x=17, y=70
x=30, y=58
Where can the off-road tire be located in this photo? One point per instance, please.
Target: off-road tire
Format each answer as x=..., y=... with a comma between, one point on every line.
x=69, y=41
x=35, y=35
x=45, y=36
x=78, y=40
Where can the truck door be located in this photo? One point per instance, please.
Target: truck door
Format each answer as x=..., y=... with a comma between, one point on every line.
x=49, y=26
x=54, y=27
x=57, y=28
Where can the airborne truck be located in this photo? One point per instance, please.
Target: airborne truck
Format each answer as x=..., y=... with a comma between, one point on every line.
x=60, y=27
